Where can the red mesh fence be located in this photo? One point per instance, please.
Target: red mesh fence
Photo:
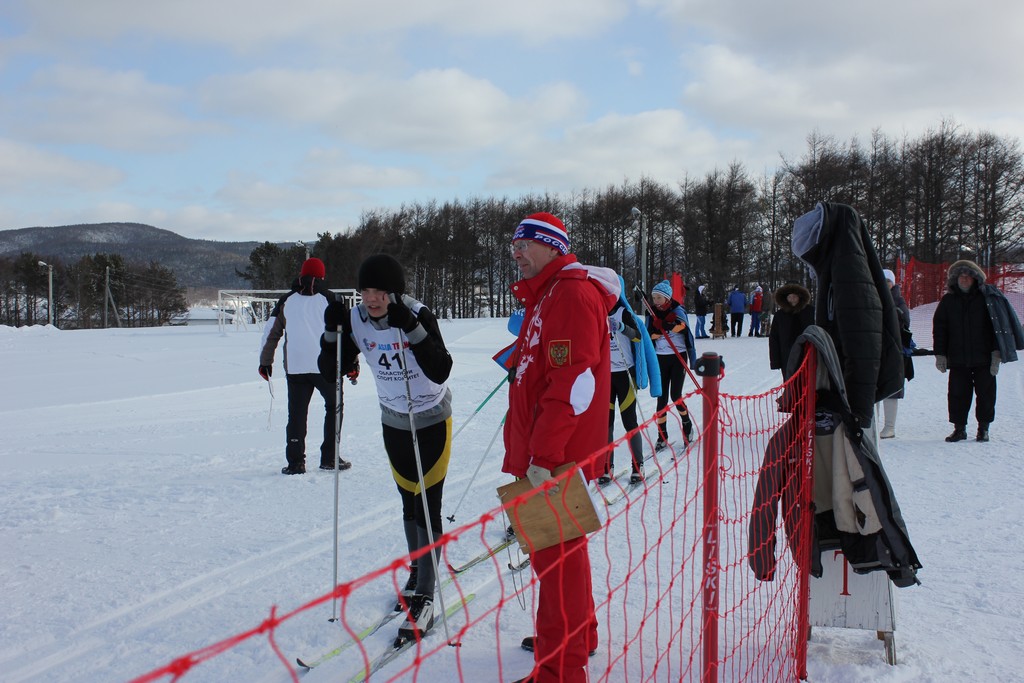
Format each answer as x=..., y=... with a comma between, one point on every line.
x=923, y=284
x=698, y=573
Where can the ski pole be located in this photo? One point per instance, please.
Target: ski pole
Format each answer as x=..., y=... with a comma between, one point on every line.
x=337, y=468
x=480, y=407
x=451, y=517
x=419, y=474
x=270, y=410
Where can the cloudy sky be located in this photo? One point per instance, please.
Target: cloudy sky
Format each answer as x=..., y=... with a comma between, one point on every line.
x=261, y=119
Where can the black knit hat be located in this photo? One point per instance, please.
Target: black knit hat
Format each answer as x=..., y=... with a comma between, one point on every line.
x=381, y=271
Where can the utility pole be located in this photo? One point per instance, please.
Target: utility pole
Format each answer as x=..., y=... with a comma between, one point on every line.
x=49, y=297
x=641, y=223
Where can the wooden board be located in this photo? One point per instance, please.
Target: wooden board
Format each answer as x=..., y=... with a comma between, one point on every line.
x=719, y=325
x=541, y=521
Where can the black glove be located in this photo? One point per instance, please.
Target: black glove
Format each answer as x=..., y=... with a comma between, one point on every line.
x=400, y=316
x=266, y=371
x=334, y=315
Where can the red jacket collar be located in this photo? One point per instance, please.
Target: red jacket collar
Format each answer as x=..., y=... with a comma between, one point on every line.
x=529, y=290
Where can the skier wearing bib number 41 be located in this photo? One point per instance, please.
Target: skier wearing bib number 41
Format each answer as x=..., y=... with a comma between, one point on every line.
x=400, y=339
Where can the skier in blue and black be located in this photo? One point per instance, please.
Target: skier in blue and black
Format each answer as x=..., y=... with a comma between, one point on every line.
x=631, y=351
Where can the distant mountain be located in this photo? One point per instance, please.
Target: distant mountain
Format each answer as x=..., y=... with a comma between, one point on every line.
x=196, y=263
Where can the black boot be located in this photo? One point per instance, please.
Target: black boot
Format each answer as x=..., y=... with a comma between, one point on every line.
x=687, y=428
x=959, y=434
x=294, y=469
x=982, y=433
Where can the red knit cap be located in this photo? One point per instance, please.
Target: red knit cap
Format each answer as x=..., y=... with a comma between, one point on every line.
x=315, y=267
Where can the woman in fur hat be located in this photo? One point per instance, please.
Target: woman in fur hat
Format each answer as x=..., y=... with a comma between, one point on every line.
x=792, y=316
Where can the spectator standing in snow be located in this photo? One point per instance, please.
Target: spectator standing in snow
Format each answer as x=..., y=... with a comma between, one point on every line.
x=701, y=304
x=792, y=316
x=557, y=415
x=298, y=318
x=737, y=303
x=673, y=342
x=756, y=301
x=974, y=330
x=890, y=405
x=404, y=350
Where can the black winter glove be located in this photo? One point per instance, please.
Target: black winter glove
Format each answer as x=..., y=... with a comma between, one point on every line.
x=334, y=315
x=400, y=316
x=266, y=371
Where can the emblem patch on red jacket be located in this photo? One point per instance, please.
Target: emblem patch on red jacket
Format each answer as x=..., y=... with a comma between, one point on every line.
x=559, y=353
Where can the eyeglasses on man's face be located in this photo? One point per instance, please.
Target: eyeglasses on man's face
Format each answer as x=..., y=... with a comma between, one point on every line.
x=519, y=246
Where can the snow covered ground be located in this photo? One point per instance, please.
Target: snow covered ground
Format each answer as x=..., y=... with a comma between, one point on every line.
x=143, y=515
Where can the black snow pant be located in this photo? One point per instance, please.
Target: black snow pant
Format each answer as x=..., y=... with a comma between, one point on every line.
x=673, y=374
x=623, y=391
x=435, y=451
x=964, y=385
x=300, y=391
x=737, y=324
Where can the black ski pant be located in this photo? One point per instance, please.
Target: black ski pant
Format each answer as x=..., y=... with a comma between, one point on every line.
x=737, y=324
x=964, y=385
x=434, y=444
x=623, y=391
x=673, y=374
x=300, y=391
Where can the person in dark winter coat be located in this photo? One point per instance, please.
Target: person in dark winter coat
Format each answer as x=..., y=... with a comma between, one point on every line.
x=792, y=316
x=701, y=305
x=737, y=303
x=673, y=342
x=853, y=304
x=406, y=354
x=974, y=330
x=298, y=318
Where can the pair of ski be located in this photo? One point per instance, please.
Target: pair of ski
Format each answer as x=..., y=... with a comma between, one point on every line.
x=390, y=616
x=622, y=490
x=401, y=644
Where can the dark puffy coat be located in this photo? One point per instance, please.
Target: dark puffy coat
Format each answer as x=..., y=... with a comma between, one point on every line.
x=962, y=329
x=853, y=303
x=787, y=324
x=700, y=302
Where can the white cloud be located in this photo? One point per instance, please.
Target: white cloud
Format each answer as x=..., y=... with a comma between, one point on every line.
x=113, y=109
x=29, y=169
x=251, y=25
x=662, y=145
x=439, y=111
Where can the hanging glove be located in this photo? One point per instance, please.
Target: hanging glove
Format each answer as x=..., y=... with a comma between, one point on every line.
x=996, y=360
x=266, y=371
x=353, y=374
x=539, y=476
x=940, y=363
x=400, y=316
x=614, y=324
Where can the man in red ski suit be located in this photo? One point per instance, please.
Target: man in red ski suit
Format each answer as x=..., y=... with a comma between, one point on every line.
x=558, y=414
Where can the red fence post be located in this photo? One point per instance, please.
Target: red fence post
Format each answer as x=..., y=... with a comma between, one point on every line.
x=709, y=366
x=807, y=404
